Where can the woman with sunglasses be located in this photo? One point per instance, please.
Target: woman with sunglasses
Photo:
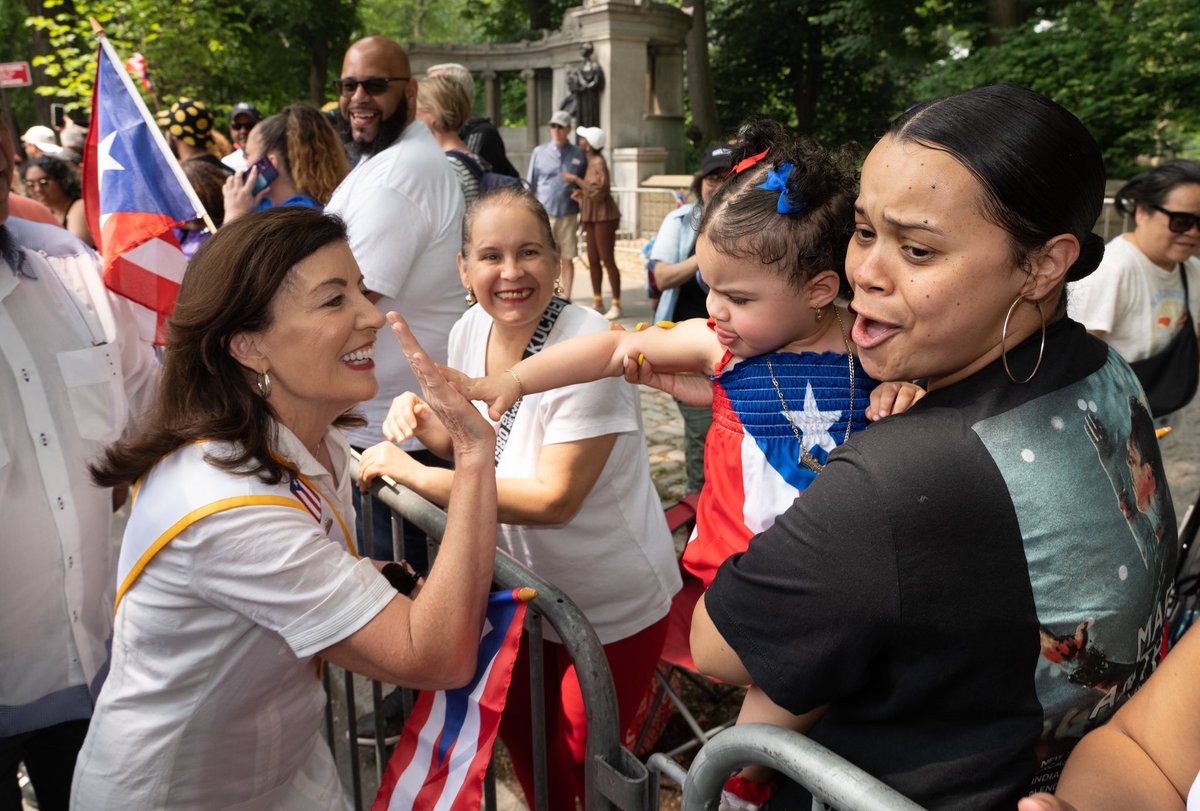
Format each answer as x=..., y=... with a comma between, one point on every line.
x=55, y=183
x=1147, y=288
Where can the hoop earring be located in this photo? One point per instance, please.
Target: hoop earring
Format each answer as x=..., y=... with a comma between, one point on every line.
x=820, y=312
x=558, y=288
x=264, y=384
x=469, y=298
x=1004, y=341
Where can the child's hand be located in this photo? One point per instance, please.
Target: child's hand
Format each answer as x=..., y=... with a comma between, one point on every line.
x=893, y=398
x=385, y=459
x=406, y=417
x=499, y=391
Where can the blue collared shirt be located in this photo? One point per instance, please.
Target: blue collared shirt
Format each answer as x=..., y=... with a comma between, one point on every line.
x=546, y=165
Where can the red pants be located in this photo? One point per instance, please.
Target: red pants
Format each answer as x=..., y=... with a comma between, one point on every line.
x=632, y=661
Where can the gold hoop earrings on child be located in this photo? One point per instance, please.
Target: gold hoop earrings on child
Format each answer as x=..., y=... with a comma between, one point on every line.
x=819, y=311
x=1004, y=340
x=469, y=298
x=264, y=384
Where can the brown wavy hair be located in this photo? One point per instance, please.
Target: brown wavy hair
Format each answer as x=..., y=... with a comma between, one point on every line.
x=203, y=392
x=306, y=142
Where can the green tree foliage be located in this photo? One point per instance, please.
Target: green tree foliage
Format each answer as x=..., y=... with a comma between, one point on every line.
x=426, y=21
x=270, y=52
x=1130, y=69
x=835, y=69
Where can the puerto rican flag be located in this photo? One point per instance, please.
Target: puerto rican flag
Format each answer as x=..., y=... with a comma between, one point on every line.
x=310, y=500
x=134, y=194
x=136, y=66
x=444, y=750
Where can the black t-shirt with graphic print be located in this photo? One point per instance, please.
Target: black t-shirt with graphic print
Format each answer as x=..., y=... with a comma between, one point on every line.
x=971, y=586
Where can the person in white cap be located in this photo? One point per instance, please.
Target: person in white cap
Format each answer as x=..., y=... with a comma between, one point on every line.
x=599, y=214
x=40, y=140
x=548, y=166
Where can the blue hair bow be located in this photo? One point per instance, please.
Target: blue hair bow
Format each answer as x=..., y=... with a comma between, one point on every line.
x=777, y=180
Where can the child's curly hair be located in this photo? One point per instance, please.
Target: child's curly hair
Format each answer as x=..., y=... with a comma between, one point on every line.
x=742, y=220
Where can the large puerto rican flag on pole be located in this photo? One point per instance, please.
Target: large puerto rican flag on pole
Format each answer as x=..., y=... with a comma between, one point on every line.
x=134, y=193
x=443, y=753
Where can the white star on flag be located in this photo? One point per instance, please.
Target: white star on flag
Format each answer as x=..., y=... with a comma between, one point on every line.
x=105, y=162
x=813, y=423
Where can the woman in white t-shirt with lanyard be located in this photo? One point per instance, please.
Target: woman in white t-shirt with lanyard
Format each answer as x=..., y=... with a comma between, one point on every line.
x=576, y=503
x=1135, y=300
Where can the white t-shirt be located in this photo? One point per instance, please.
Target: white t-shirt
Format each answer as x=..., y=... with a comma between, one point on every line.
x=1138, y=305
x=403, y=209
x=614, y=557
x=213, y=700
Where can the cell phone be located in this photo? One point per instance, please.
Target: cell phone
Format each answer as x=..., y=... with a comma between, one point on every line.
x=58, y=117
x=266, y=173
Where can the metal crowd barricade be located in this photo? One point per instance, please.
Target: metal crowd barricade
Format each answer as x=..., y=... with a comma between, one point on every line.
x=829, y=777
x=1111, y=222
x=614, y=778
x=642, y=210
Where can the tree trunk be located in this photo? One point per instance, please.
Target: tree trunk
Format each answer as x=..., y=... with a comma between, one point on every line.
x=318, y=69
x=699, y=75
x=539, y=14
x=40, y=42
x=1003, y=16
x=806, y=73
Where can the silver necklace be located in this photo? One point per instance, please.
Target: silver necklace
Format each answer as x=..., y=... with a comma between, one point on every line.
x=806, y=458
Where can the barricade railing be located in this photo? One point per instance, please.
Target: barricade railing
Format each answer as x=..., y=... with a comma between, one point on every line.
x=830, y=778
x=1111, y=222
x=614, y=778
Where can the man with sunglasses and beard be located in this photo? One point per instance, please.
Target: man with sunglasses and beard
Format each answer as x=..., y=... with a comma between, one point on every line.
x=403, y=209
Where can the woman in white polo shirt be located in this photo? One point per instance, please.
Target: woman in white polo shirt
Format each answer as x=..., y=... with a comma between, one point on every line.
x=237, y=573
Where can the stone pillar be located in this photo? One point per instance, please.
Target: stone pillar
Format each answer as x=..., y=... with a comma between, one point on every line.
x=532, y=116
x=639, y=46
x=491, y=96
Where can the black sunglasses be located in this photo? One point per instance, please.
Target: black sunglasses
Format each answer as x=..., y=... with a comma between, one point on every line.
x=1180, y=222
x=375, y=86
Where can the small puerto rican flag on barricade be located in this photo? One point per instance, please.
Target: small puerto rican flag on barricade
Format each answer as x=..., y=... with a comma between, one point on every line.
x=443, y=753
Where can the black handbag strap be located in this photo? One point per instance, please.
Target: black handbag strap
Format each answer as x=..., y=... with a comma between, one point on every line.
x=1170, y=376
x=536, y=342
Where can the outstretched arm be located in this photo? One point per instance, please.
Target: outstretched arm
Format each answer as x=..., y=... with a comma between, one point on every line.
x=687, y=347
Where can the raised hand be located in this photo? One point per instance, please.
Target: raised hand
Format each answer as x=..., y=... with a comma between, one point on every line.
x=468, y=430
